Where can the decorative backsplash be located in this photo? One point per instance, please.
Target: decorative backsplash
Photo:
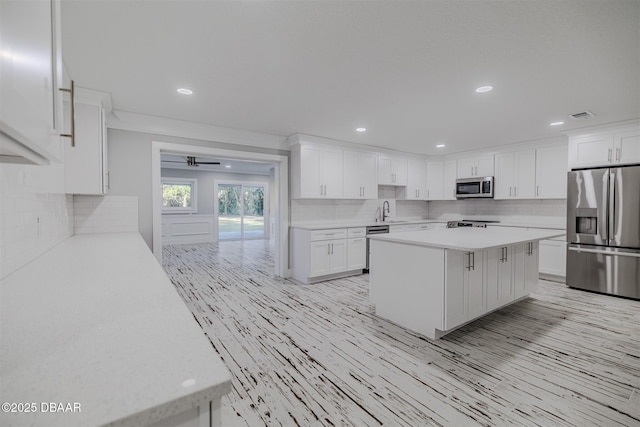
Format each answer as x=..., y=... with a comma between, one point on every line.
x=36, y=214
x=105, y=214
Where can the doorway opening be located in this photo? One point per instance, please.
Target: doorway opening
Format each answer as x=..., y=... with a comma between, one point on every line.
x=242, y=210
x=275, y=212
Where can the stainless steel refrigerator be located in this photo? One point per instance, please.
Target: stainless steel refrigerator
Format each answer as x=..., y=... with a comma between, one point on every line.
x=603, y=230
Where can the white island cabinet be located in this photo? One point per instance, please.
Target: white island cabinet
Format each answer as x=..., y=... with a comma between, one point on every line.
x=435, y=281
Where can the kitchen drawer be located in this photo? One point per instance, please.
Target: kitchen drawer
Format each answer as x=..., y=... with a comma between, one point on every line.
x=357, y=232
x=333, y=233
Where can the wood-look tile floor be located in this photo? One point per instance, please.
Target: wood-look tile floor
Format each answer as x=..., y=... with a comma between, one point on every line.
x=316, y=355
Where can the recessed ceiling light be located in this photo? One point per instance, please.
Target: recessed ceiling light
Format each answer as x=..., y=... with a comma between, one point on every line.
x=185, y=91
x=227, y=166
x=483, y=89
x=361, y=129
x=440, y=146
x=556, y=123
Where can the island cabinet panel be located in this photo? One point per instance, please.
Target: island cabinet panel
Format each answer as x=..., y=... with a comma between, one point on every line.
x=465, y=288
x=410, y=290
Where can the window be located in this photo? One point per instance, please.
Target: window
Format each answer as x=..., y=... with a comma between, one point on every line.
x=179, y=195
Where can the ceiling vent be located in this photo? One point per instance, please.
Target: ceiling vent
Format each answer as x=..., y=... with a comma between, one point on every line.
x=585, y=115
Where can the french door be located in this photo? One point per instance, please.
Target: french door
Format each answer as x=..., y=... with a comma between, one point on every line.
x=241, y=211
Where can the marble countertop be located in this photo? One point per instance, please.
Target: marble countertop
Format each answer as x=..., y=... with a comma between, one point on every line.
x=96, y=322
x=468, y=238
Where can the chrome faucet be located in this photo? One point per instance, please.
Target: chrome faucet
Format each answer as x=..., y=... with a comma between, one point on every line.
x=385, y=210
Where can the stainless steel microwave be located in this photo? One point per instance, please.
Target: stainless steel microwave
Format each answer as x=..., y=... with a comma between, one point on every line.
x=474, y=187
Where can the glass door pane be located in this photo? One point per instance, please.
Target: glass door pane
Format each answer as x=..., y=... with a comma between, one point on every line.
x=229, y=212
x=253, y=219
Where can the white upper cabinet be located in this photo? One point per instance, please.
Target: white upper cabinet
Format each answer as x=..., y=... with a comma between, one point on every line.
x=31, y=76
x=475, y=167
x=85, y=162
x=392, y=170
x=317, y=172
x=551, y=172
x=605, y=148
x=360, y=175
x=416, y=188
x=435, y=180
x=627, y=146
x=515, y=175
x=450, y=175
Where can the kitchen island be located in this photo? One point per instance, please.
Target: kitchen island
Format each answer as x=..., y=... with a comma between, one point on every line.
x=435, y=281
x=94, y=334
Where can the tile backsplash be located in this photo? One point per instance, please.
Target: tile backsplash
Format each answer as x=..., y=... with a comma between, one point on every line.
x=35, y=213
x=105, y=214
x=526, y=212
x=532, y=212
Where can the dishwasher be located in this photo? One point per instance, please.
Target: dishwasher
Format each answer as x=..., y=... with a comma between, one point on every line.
x=374, y=229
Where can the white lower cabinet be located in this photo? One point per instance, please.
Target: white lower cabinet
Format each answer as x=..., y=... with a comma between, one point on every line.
x=465, y=289
x=325, y=254
x=356, y=253
x=482, y=281
x=553, y=256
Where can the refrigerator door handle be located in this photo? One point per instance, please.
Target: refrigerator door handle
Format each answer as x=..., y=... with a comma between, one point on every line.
x=610, y=253
x=611, y=217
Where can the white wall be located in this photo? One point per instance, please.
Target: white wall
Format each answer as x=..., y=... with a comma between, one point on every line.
x=35, y=213
x=130, y=167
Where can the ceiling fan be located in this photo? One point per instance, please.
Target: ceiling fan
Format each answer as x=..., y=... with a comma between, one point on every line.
x=191, y=161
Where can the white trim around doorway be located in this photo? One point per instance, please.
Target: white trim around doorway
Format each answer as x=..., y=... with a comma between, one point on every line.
x=281, y=187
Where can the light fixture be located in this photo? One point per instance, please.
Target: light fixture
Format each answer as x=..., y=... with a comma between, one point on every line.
x=227, y=166
x=556, y=123
x=185, y=91
x=483, y=89
x=440, y=146
x=361, y=129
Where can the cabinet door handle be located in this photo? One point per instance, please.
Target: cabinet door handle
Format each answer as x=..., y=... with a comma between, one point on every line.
x=537, y=190
x=515, y=191
x=71, y=135
x=510, y=191
x=328, y=248
x=468, y=267
x=609, y=155
x=618, y=151
x=471, y=170
x=473, y=257
x=332, y=249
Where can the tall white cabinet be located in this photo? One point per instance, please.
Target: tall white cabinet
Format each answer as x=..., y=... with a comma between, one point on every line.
x=360, y=175
x=317, y=171
x=30, y=81
x=551, y=172
x=515, y=175
x=85, y=163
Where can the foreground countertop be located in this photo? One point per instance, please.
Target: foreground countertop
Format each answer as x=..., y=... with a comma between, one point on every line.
x=468, y=238
x=95, y=321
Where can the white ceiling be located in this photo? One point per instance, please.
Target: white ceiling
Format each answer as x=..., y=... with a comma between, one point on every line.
x=174, y=161
x=405, y=70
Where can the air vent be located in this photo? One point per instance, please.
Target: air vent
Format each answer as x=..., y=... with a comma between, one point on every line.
x=585, y=115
